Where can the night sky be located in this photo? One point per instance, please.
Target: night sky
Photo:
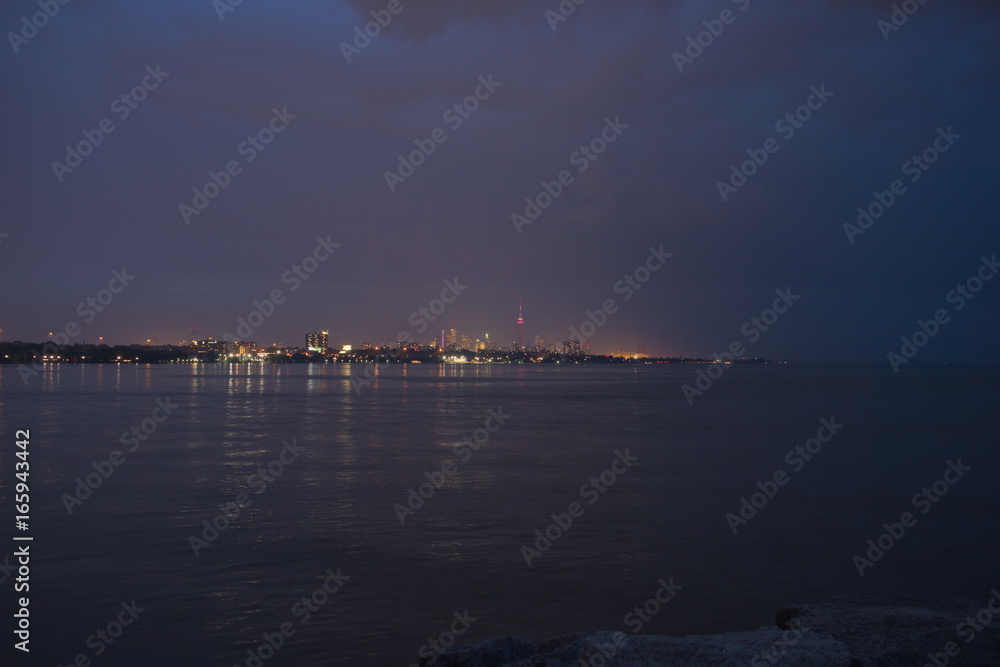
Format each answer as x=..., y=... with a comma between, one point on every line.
x=554, y=85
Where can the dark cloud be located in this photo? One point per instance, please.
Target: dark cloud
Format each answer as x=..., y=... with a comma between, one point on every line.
x=656, y=184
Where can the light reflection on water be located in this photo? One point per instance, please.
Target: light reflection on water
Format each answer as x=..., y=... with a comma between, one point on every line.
x=365, y=448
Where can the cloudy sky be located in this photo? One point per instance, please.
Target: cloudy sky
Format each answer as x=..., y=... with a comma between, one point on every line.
x=685, y=114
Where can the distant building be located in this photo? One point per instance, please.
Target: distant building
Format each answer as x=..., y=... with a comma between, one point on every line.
x=318, y=341
x=572, y=347
x=221, y=347
x=245, y=348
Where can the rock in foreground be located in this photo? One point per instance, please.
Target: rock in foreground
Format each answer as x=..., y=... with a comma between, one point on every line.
x=847, y=631
x=905, y=632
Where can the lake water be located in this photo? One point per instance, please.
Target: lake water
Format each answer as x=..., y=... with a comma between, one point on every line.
x=332, y=505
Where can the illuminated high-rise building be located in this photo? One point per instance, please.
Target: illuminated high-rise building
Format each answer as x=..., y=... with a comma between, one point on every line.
x=318, y=341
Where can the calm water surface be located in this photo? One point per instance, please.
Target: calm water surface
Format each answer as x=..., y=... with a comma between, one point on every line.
x=332, y=507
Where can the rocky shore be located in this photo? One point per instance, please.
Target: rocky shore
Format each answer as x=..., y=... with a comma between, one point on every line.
x=846, y=631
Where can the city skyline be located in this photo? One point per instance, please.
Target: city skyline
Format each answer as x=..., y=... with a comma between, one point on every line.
x=318, y=339
x=177, y=178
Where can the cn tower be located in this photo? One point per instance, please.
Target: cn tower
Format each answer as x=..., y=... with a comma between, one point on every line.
x=520, y=328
